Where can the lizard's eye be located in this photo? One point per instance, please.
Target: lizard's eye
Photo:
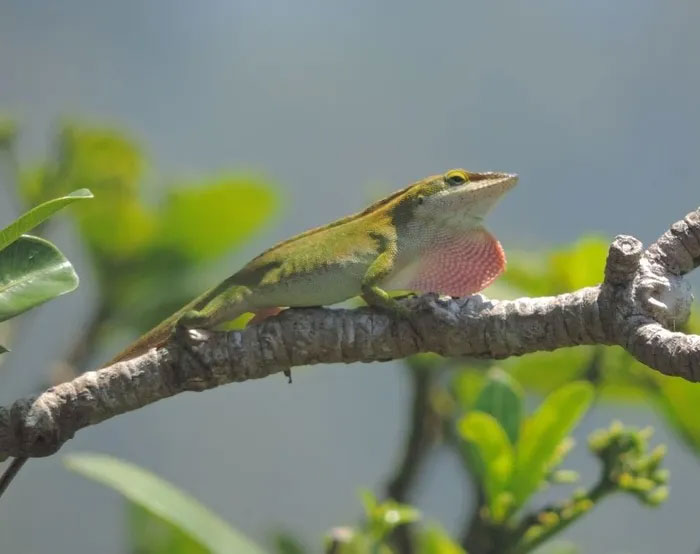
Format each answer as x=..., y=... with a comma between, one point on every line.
x=456, y=177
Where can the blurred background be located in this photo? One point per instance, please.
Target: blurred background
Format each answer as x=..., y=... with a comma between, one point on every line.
x=334, y=104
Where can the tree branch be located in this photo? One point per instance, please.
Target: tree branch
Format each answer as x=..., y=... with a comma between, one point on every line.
x=643, y=294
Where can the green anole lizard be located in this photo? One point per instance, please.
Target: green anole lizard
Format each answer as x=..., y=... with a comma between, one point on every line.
x=427, y=237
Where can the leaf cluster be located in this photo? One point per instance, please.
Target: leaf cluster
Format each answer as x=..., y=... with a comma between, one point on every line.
x=138, y=239
x=32, y=269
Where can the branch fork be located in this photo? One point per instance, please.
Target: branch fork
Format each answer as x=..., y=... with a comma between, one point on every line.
x=641, y=301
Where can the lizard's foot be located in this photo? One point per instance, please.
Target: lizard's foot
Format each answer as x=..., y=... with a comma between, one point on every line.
x=403, y=312
x=404, y=295
x=288, y=375
x=193, y=320
x=186, y=329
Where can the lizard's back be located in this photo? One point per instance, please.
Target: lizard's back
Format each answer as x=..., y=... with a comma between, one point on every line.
x=318, y=267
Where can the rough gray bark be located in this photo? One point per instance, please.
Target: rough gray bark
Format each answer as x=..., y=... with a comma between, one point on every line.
x=643, y=296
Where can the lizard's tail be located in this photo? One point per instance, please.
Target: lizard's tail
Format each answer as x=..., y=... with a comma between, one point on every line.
x=157, y=336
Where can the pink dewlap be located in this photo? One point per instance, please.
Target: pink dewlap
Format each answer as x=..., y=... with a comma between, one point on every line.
x=459, y=265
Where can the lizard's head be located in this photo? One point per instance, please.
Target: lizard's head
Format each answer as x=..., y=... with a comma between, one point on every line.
x=458, y=197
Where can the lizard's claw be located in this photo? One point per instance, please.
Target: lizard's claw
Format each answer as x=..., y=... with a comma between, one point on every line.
x=404, y=313
x=189, y=335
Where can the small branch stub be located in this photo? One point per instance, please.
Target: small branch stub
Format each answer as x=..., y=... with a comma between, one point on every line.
x=623, y=260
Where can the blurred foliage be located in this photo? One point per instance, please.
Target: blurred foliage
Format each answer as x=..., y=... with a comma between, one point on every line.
x=8, y=132
x=32, y=269
x=616, y=374
x=164, y=520
x=511, y=471
x=510, y=468
x=627, y=464
x=384, y=517
x=502, y=397
x=183, y=514
x=286, y=543
x=38, y=215
x=489, y=445
x=138, y=241
x=561, y=270
x=151, y=534
x=543, y=434
x=372, y=536
x=559, y=547
x=435, y=540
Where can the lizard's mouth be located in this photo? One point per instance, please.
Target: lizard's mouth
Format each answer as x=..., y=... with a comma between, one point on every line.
x=490, y=176
x=483, y=191
x=492, y=180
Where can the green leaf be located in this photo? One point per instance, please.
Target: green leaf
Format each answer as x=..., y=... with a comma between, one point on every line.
x=100, y=159
x=581, y=265
x=435, y=540
x=679, y=401
x=117, y=224
x=8, y=131
x=369, y=502
x=495, y=454
x=203, y=222
x=150, y=534
x=542, y=434
x=117, y=229
x=32, y=271
x=546, y=371
x=501, y=397
x=693, y=325
x=385, y=516
x=578, y=265
x=527, y=273
x=466, y=386
x=38, y=214
x=561, y=547
x=164, y=500
x=623, y=378
x=286, y=543
x=345, y=540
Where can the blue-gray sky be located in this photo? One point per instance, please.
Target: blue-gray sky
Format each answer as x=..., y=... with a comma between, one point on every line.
x=593, y=103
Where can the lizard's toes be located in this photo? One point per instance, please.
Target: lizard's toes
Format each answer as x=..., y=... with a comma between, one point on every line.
x=190, y=335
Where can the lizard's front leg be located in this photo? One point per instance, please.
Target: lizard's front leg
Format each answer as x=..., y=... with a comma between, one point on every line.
x=373, y=294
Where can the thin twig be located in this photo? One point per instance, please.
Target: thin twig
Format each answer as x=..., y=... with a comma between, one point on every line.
x=10, y=473
x=422, y=434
